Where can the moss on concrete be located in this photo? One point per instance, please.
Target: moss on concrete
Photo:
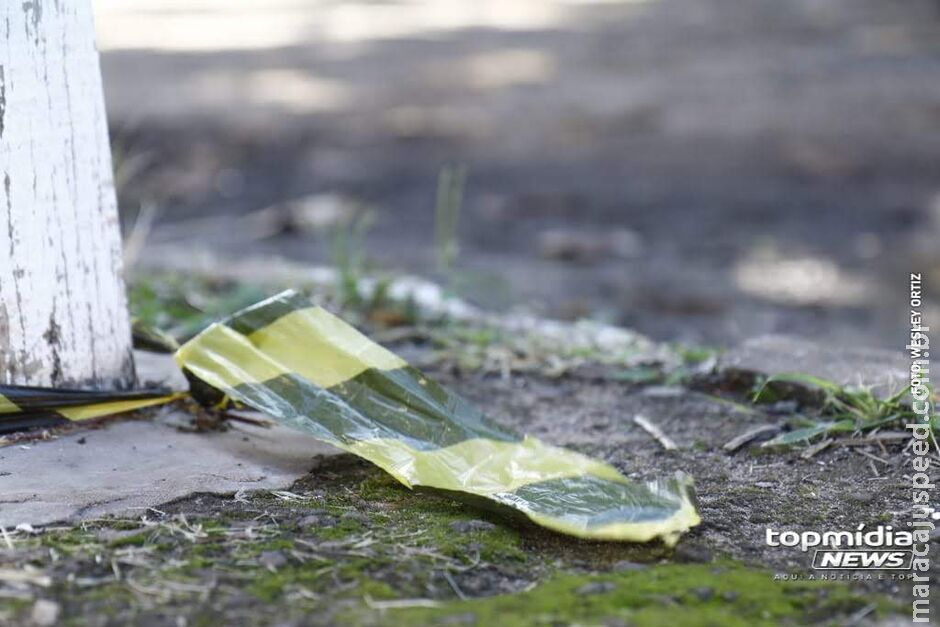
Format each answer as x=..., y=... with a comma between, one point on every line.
x=727, y=594
x=348, y=544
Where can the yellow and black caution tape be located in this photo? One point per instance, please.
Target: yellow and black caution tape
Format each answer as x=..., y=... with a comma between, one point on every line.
x=312, y=372
x=23, y=407
x=315, y=373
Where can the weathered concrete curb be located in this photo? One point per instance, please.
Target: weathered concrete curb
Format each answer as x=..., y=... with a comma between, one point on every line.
x=886, y=372
x=126, y=467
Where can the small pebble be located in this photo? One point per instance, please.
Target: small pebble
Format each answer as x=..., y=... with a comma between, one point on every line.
x=704, y=593
x=45, y=613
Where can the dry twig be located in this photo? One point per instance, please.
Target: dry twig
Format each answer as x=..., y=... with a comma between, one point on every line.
x=655, y=431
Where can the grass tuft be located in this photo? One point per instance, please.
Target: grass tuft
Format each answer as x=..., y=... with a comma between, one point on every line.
x=842, y=409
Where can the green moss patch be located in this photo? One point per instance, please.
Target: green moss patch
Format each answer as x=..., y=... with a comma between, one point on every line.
x=726, y=594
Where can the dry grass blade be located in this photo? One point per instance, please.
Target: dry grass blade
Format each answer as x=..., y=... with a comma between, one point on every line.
x=453, y=584
x=290, y=497
x=872, y=456
x=749, y=436
x=25, y=575
x=664, y=440
x=815, y=449
x=874, y=438
x=398, y=604
x=138, y=235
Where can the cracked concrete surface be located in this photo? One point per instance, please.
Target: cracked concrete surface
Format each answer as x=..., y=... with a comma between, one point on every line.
x=129, y=466
x=126, y=466
x=885, y=372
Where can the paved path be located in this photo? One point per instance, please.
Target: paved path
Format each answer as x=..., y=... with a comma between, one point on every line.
x=127, y=466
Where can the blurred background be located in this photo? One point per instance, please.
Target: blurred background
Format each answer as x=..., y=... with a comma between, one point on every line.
x=700, y=170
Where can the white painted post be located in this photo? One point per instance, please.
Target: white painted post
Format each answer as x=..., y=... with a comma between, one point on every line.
x=63, y=311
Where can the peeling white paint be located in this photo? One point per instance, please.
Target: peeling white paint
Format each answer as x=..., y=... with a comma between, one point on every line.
x=63, y=312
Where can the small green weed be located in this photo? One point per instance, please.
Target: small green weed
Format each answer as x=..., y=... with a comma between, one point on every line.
x=843, y=409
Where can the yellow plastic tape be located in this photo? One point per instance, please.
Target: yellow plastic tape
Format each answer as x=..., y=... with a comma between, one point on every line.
x=24, y=403
x=315, y=373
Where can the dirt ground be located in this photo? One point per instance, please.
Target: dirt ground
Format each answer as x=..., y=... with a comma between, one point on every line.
x=700, y=171
x=346, y=543
x=739, y=494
